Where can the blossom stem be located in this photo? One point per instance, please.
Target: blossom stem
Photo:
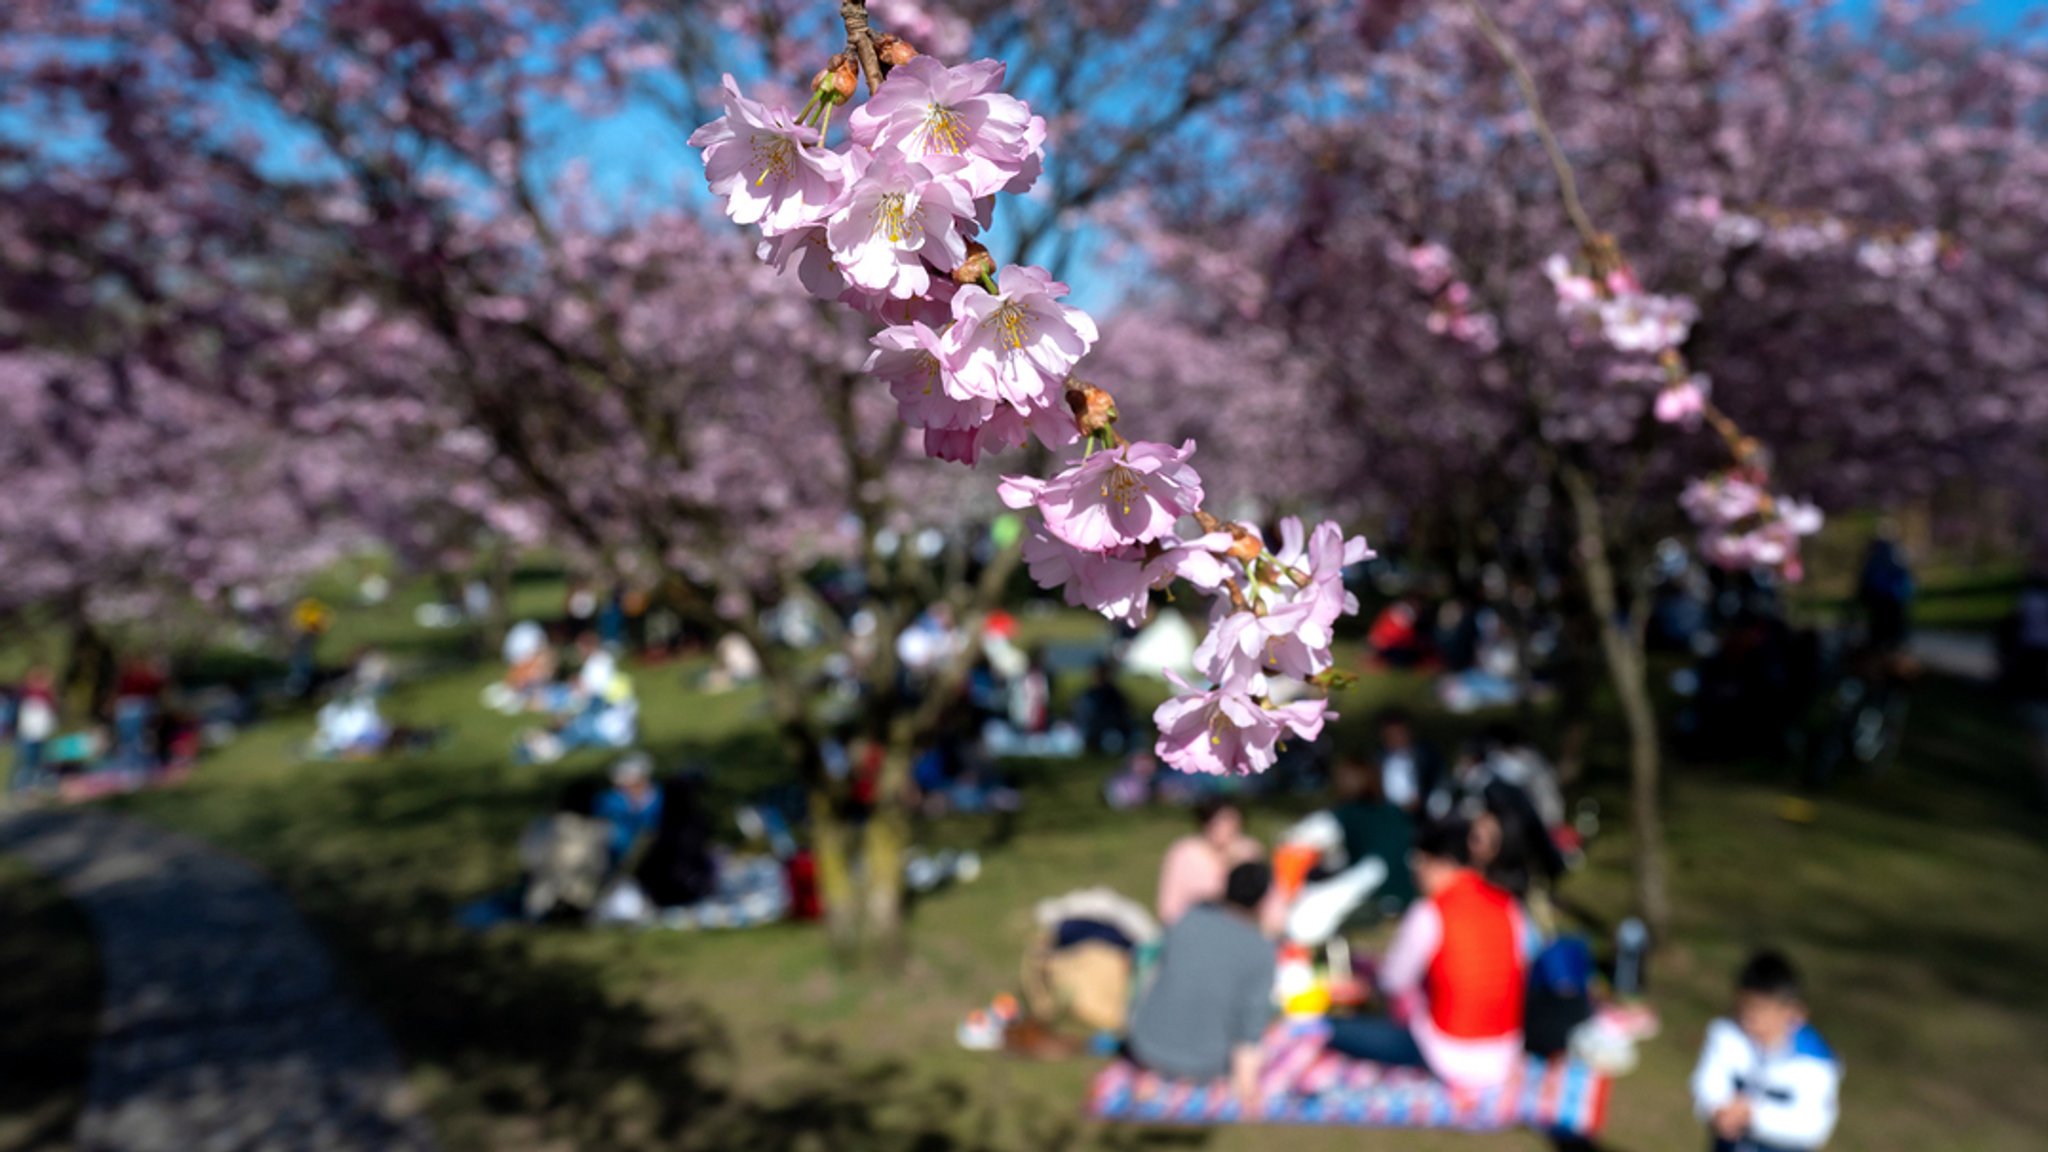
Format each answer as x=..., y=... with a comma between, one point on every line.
x=1567, y=185
x=988, y=281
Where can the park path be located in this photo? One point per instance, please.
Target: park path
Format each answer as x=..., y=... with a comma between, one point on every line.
x=222, y=1027
x=1964, y=655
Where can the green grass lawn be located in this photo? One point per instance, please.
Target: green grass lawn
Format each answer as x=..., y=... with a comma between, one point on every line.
x=1910, y=901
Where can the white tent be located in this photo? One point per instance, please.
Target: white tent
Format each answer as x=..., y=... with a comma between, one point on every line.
x=1167, y=642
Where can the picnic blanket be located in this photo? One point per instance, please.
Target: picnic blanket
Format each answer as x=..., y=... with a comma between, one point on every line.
x=1306, y=1085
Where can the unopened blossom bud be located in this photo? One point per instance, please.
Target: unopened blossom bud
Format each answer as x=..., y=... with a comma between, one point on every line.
x=839, y=81
x=1244, y=545
x=978, y=264
x=1094, y=409
x=894, y=50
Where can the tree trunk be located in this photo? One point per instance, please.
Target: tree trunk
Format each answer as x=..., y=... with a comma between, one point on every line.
x=498, y=620
x=86, y=687
x=885, y=847
x=836, y=892
x=1621, y=644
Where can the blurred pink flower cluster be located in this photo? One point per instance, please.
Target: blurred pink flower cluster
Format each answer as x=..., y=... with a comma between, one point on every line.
x=1741, y=524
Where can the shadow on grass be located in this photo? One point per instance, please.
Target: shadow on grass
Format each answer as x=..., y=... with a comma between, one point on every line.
x=49, y=1001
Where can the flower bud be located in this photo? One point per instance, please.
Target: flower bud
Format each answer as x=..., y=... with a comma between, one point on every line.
x=977, y=265
x=839, y=81
x=894, y=50
x=1244, y=546
x=1094, y=409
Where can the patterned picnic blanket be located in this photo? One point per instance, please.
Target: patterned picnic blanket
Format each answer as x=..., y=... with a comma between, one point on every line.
x=1304, y=1084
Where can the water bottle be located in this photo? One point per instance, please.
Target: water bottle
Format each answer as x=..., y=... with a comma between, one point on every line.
x=1631, y=951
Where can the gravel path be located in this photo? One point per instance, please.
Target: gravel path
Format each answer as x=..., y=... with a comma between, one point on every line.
x=222, y=1028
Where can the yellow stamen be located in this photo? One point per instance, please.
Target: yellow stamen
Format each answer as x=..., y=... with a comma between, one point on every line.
x=900, y=226
x=1012, y=322
x=775, y=154
x=1123, y=485
x=943, y=131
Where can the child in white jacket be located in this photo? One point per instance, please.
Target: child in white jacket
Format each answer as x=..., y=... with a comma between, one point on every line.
x=1766, y=1081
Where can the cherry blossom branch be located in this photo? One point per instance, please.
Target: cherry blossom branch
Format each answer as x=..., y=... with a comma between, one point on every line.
x=1567, y=184
x=982, y=358
x=1634, y=321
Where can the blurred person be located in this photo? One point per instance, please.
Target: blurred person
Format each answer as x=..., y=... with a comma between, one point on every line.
x=1410, y=769
x=1104, y=713
x=1455, y=976
x=579, y=608
x=1766, y=1081
x=1197, y=865
x=1512, y=758
x=1374, y=830
x=35, y=724
x=2024, y=643
x=631, y=806
x=1031, y=695
x=1396, y=634
x=1211, y=995
x=1884, y=590
x=1513, y=847
x=310, y=621
x=138, y=698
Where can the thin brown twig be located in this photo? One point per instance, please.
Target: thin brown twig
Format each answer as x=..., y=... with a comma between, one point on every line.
x=1504, y=47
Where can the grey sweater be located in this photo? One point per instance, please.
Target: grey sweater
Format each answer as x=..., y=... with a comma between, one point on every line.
x=1212, y=991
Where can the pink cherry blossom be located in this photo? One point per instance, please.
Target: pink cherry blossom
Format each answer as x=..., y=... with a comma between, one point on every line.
x=1118, y=583
x=1052, y=425
x=908, y=357
x=1322, y=557
x=958, y=445
x=896, y=217
x=926, y=109
x=1242, y=646
x=1642, y=322
x=771, y=170
x=1226, y=731
x=815, y=268
x=1683, y=401
x=1578, y=297
x=1127, y=495
x=1019, y=344
x=1722, y=499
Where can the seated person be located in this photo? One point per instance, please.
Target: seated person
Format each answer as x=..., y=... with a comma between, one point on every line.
x=632, y=805
x=1766, y=1081
x=529, y=667
x=679, y=867
x=1396, y=635
x=1197, y=865
x=1104, y=713
x=1511, y=846
x=350, y=726
x=1374, y=830
x=1455, y=975
x=1211, y=995
x=610, y=719
x=1409, y=769
x=1512, y=758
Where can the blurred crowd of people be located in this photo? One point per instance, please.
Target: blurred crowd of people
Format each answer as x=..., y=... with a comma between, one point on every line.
x=145, y=729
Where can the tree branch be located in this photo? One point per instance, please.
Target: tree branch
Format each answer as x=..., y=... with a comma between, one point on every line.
x=860, y=41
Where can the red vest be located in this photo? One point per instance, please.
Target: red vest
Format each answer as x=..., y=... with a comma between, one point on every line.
x=1476, y=979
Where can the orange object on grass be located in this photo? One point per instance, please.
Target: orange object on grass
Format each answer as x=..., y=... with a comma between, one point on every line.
x=1291, y=866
